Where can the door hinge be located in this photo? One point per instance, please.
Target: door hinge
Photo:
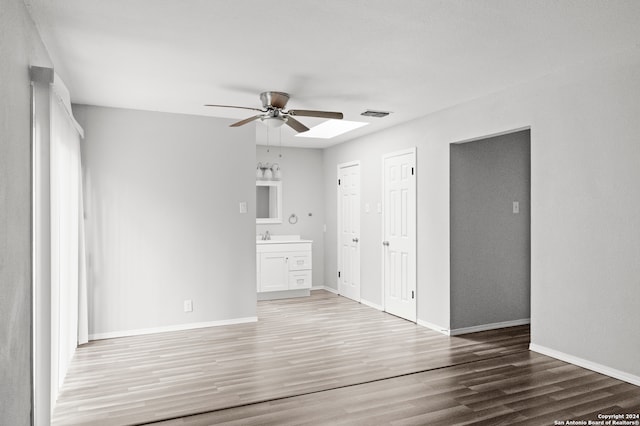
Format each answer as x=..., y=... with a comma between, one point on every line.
x=338, y=274
x=413, y=294
x=338, y=182
x=412, y=171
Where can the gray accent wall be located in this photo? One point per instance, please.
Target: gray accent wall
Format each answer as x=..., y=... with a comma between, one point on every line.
x=162, y=195
x=490, y=244
x=20, y=47
x=302, y=195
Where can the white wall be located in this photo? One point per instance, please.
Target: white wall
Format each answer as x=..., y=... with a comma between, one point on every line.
x=302, y=190
x=433, y=214
x=20, y=47
x=585, y=151
x=162, y=194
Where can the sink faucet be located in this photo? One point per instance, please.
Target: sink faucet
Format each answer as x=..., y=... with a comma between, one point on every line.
x=266, y=236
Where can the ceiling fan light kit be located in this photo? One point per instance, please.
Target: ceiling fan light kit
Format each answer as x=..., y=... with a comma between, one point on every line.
x=274, y=115
x=273, y=122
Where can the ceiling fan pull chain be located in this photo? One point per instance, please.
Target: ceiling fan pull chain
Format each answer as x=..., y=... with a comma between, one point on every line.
x=268, y=148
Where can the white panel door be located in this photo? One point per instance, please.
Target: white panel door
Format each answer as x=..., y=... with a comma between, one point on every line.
x=349, y=230
x=399, y=235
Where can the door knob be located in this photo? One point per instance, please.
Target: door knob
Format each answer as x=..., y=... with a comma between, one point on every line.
x=385, y=243
x=355, y=240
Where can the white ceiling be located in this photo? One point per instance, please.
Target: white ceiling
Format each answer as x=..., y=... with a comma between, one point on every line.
x=411, y=57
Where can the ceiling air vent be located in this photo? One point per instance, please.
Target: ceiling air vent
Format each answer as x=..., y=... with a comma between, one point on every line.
x=372, y=113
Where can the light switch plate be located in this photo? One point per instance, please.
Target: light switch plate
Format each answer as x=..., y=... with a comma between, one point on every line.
x=516, y=207
x=243, y=206
x=188, y=305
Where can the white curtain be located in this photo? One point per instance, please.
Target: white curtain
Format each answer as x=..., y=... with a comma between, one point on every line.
x=68, y=278
x=83, y=310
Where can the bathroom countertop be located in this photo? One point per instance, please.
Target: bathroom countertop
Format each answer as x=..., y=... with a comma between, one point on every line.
x=282, y=239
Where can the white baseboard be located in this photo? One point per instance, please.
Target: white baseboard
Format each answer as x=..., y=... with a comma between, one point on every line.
x=433, y=327
x=475, y=328
x=179, y=327
x=371, y=305
x=334, y=291
x=324, y=287
x=486, y=327
x=589, y=365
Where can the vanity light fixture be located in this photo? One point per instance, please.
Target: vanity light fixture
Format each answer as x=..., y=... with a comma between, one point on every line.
x=268, y=171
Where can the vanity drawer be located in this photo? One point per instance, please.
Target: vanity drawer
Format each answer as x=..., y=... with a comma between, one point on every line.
x=299, y=279
x=299, y=261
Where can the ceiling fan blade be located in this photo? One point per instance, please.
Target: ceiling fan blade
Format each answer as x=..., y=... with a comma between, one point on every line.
x=245, y=121
x=321, y=114
x=233, y=106
x=296, y=125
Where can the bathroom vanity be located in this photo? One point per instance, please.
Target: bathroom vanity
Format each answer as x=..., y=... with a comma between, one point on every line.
x=283, y=267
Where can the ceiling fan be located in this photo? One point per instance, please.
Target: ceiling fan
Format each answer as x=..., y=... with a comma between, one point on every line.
x=273, y=113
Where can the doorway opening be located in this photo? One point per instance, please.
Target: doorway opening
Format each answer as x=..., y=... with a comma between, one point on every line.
x=490, y=232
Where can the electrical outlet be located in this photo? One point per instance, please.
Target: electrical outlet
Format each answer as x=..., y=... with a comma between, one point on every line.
x=188, y=305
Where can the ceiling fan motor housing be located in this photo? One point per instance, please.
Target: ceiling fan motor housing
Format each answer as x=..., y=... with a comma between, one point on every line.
x=272, y=100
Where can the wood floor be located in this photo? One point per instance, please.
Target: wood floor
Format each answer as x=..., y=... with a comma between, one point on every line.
x=328, y=360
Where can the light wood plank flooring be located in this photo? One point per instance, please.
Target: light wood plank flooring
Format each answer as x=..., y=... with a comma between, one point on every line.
x=323, y=360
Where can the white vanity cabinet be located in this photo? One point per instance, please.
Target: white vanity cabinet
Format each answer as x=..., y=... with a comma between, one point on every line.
x=283, y=266
x=273, y=272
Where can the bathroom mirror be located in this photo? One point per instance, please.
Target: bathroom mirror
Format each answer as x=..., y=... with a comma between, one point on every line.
x=268, y=202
